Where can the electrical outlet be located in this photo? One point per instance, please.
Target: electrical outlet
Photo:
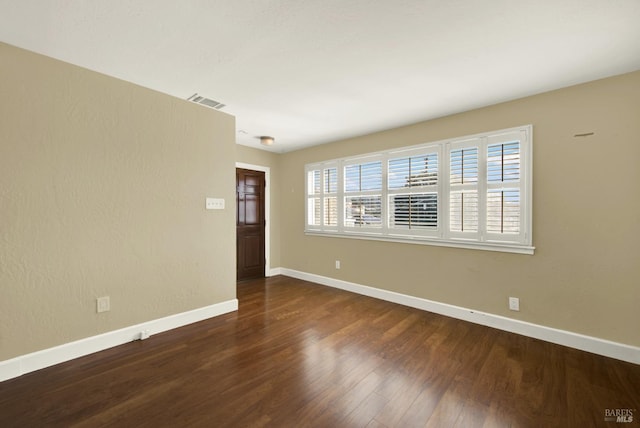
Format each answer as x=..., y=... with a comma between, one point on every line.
x=514, y=303
x=103, y=304
x=337, y=264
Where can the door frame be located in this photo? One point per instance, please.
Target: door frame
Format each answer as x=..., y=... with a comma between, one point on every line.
x=267, y=212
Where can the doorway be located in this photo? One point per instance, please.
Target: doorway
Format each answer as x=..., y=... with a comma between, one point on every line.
x=250, y=224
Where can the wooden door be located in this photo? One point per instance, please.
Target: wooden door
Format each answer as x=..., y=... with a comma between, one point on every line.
x=250, y=223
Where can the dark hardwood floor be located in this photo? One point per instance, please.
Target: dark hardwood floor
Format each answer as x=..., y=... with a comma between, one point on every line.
x=298, y=354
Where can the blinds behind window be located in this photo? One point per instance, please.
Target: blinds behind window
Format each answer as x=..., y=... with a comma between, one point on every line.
x=413, y=171
x=464, y=166
x=503, y=188
x=414, y=211
x=363, y=211
x=363, y=177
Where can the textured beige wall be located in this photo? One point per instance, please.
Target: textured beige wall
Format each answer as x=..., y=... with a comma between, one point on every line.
x=585, y=274
x=102, y=190
x=263, y=158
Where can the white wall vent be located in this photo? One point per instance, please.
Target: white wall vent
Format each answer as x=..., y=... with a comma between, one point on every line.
x=205, y=101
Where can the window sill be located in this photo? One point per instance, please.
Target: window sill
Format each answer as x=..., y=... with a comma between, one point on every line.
x=454, y=243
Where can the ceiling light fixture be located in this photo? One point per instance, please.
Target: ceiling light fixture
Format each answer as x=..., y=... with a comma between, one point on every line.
x=266, y=140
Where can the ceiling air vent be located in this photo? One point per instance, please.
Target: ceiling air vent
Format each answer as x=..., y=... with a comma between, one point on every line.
x=205, y=101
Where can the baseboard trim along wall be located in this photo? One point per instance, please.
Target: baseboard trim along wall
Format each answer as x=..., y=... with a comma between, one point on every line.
x=275, y=271
x=591, y=344
x=48, y=357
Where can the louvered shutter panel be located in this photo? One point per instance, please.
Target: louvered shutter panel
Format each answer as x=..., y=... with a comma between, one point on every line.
x=314, y=187
x=363, y=201
x=413, y=198
x=503, y=188
x=330, y=205
x=463, y=184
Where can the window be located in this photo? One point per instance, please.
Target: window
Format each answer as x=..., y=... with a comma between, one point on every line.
x=330, y=200
x=322, y=198
x=412, y=185
x=471, y=192
x=362, y=195
x=503, y=197
x=463, y=196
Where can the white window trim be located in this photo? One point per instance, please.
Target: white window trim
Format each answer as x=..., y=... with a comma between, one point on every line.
x=440, y=236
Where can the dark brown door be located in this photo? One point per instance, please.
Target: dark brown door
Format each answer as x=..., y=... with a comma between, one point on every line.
x=250, y=223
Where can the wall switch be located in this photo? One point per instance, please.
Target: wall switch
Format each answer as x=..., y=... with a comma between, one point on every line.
x=214, y=204
x=337, y=264
x=103, y=304
x=514, y=303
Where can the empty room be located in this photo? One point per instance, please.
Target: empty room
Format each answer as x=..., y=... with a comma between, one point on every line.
x=320, y=214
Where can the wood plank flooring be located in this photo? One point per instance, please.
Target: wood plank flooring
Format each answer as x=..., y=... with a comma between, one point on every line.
x=298, y=354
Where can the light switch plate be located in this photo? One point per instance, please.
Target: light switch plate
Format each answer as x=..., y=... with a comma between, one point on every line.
x=215, y=204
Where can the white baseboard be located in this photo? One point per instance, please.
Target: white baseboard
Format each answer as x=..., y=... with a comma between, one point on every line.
x=48, y=357
x=275, y=271
x=595, y=345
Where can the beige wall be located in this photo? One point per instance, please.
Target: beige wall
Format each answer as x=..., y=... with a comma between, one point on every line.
x=262, y=158
x=102, y=189
x=585, y=274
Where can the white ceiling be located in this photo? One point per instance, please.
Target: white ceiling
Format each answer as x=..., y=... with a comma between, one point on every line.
x=312, y=71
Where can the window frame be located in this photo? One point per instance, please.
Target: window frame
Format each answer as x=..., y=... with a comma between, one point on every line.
x=412, y=152
x=441, y=234
x=361, y=160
